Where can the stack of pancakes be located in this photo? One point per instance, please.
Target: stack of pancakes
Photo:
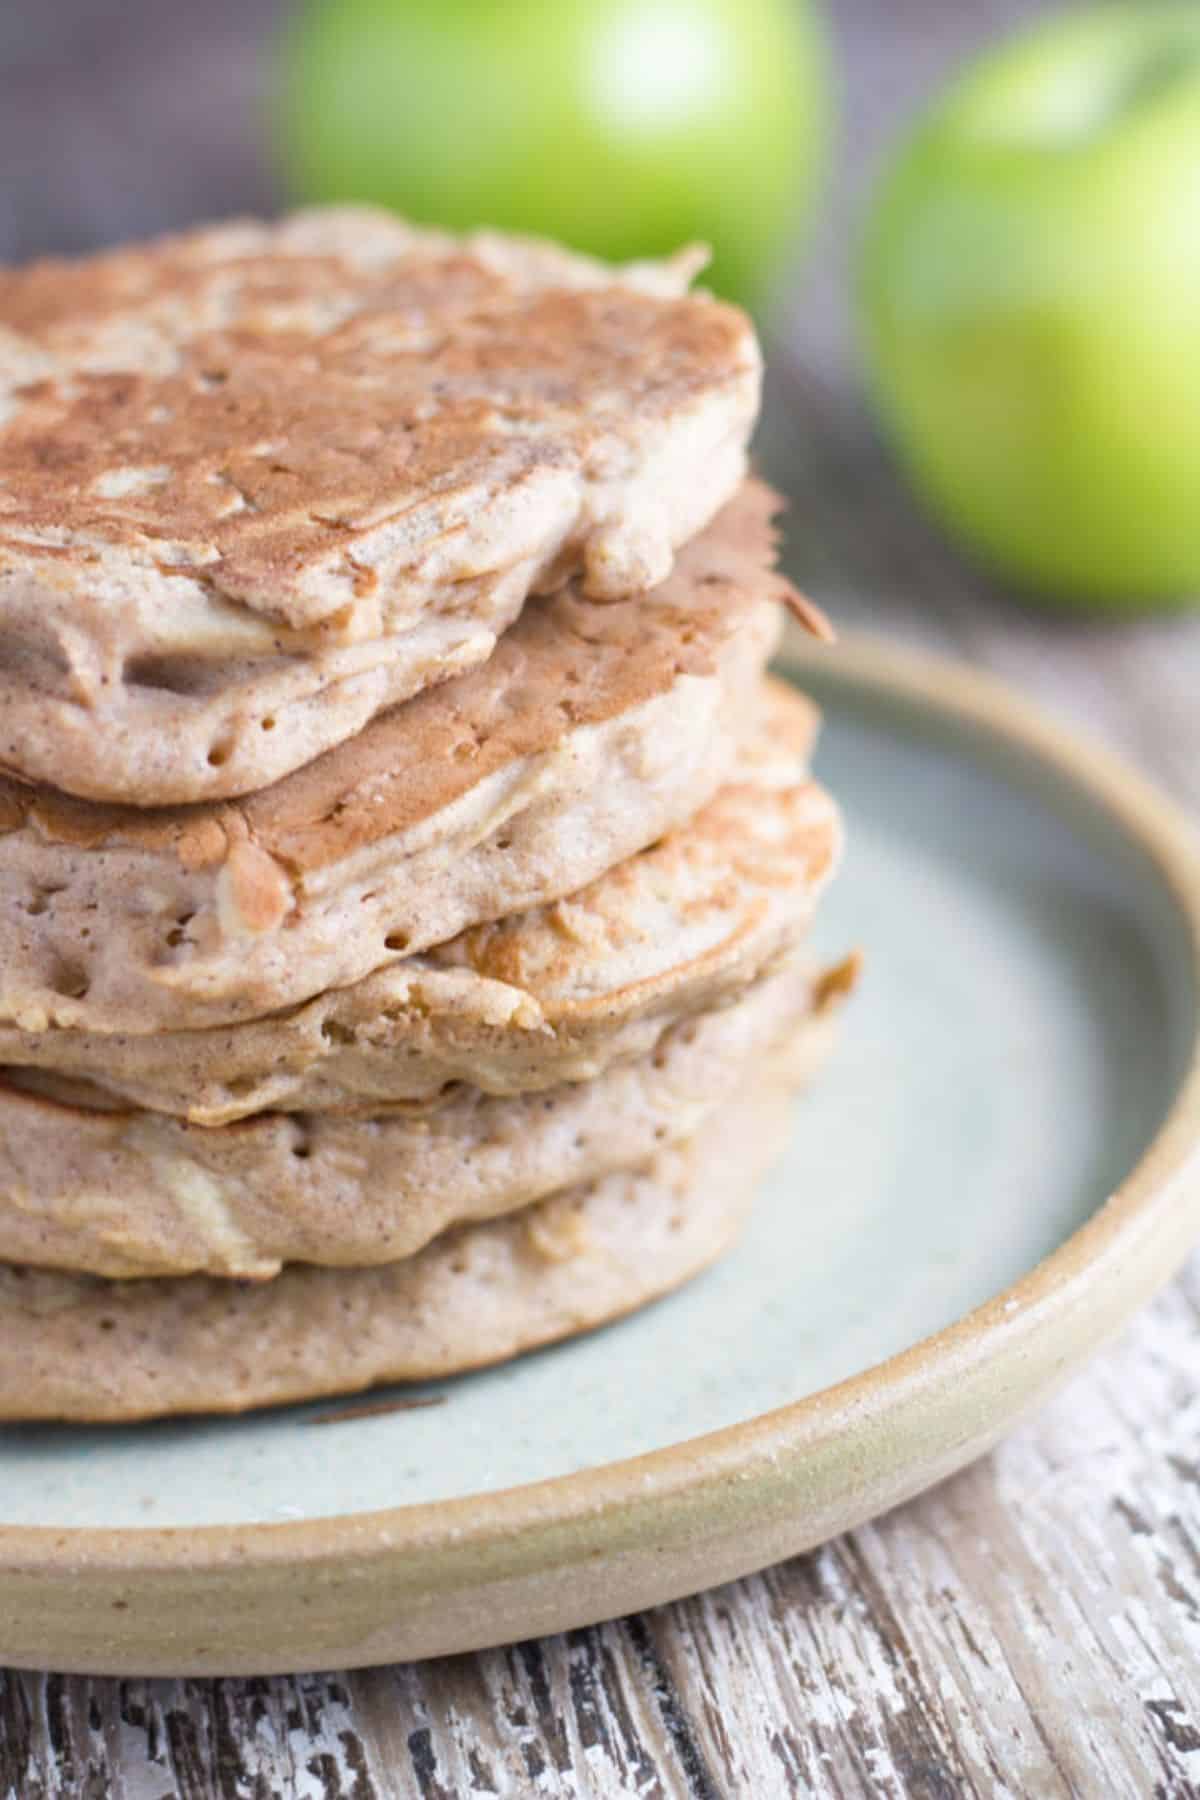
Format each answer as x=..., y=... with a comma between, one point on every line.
x=404, y=862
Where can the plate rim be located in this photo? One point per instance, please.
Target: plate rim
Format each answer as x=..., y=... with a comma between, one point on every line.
x=699, y=1484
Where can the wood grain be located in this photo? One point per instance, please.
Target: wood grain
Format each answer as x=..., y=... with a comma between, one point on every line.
x=1032, y=1627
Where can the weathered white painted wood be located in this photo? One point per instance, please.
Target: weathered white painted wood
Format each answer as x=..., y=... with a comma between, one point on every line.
x=1032, y=1628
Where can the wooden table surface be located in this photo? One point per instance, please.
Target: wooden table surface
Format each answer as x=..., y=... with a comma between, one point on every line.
x=1032, y=1627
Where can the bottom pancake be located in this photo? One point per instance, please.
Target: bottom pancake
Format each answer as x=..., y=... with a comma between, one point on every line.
x=82, y=1348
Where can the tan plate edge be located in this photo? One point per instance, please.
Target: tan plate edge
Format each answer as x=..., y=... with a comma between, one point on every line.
x=420, y=1580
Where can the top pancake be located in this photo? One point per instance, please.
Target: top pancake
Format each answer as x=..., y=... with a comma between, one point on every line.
x=260, y=481
x=591, y=730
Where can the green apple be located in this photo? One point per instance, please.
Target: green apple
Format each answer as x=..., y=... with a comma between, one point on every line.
x=1031, y=307
x=622, y=127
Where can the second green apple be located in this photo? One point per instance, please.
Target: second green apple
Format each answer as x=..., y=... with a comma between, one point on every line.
x=1031, y=306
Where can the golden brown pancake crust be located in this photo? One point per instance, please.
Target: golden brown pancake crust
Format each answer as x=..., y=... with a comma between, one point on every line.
x=280, y=442
x=557, y=993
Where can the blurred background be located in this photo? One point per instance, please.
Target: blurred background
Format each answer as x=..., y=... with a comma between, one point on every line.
x=120, y=118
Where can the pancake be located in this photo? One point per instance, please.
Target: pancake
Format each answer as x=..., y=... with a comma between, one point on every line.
x=258, y=482
x=123, y=1194
x=591, y=730
x=557, y=993
x=83, y=1348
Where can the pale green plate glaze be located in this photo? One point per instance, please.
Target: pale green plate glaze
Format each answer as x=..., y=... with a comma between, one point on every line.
x=1026, y=1023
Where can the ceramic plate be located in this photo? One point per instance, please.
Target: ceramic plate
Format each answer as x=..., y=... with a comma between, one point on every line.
x=998, y=1165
